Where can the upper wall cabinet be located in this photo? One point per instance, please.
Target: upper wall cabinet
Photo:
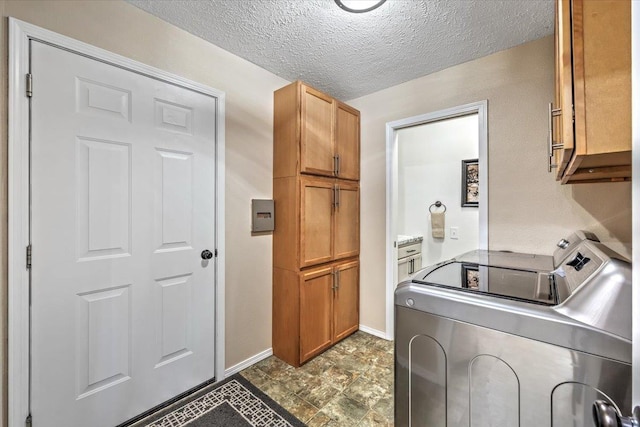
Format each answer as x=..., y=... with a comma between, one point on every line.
x=590, y=123
x=318, y=135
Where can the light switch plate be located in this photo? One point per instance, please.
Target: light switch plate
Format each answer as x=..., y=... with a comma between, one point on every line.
x=453, y=234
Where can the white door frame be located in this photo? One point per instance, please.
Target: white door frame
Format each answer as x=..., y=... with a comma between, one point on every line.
x=479, y=108
x=20, y=34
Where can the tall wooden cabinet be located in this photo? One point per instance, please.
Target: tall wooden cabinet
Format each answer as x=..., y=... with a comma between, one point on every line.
x=316, y=242
x=590, y=123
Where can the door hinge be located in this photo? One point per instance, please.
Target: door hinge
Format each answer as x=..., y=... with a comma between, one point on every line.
x=215, y=253
x=573, y=113
x=29, y=85
x=29, y=421
x=29, y=257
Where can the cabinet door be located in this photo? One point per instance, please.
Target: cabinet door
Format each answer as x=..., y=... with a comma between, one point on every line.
x=346, y=300
x=317, y=146
x=347, y=142
x=316, y=307
x=347, y=220
x=416, y=263
x=563, y=124
x=316, y=221
x=403, y=269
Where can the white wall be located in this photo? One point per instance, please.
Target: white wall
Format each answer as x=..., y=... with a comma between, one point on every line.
x=429, y=169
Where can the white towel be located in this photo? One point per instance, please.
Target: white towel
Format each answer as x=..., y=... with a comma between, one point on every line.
x=437, y=225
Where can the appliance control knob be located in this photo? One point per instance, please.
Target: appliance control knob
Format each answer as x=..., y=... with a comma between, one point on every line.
x=410, y=302
x=606, y=415
x=563, y=244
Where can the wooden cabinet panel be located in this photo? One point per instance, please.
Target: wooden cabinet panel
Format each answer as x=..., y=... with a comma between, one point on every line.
x=286, y=131
x=285, y=335
x=317, y=142
x=286, y=233
x=347, y=220
x=316, y=221
x=563, y=124
x=593, y=89
x=316, y=309
x=346, y=300
x=347, y=141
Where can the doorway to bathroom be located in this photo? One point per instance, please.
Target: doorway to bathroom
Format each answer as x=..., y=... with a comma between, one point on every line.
x=437, y=191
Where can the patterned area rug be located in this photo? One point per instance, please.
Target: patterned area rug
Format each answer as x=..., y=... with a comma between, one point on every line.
x=234, y=402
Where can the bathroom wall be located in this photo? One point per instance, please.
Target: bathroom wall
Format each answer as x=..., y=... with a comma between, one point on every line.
x=429, y=169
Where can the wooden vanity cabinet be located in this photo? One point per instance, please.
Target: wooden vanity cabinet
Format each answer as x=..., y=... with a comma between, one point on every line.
x=316, y=241
x=591, y=118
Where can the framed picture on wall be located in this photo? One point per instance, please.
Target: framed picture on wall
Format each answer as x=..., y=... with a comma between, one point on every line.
x=470, y=183
x=470, y=276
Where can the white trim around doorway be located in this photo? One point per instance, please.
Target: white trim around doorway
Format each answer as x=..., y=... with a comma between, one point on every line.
x=479, y=108
x=20, y=34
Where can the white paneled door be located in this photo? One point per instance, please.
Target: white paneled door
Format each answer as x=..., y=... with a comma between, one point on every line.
x=122, y=197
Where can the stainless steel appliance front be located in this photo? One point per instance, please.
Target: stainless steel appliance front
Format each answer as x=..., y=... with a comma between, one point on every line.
x=451, y=373
x=506, y=349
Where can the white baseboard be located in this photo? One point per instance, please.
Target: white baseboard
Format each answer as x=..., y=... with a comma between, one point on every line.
x=248, y=362
x=374, y=332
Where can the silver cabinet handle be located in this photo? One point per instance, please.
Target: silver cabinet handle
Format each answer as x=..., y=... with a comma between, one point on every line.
x=334, y=204
x=553, y=112
x=334, y=286
x=337, y=196
x=338, y=164
x=411, y=251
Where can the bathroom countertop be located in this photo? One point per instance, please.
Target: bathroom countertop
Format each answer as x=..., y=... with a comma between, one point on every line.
x=405, y=240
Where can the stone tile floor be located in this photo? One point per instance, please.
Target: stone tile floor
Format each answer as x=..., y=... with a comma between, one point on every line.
x=351, y=384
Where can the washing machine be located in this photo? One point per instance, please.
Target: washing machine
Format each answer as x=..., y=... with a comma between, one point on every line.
x=494, y=338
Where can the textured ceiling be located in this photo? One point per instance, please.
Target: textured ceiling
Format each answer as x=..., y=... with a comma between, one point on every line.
x=350, y=55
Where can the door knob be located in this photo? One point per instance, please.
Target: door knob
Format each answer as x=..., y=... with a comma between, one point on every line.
x=606, y=415
x=206, y=254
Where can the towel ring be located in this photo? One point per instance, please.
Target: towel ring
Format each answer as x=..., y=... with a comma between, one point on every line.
x=438, y=204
